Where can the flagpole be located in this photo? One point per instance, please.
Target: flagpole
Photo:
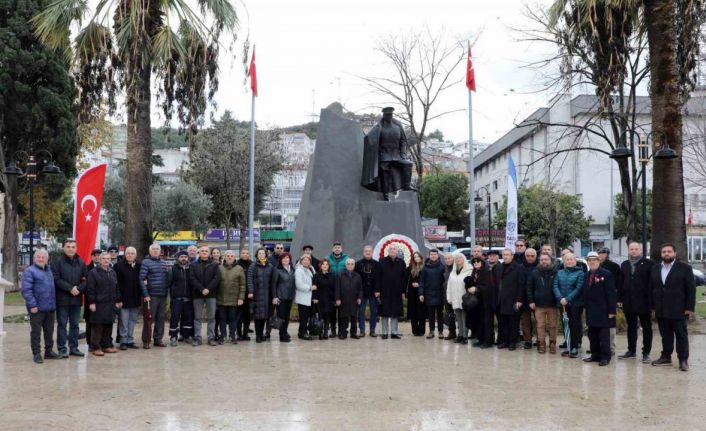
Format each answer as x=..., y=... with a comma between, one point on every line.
x=251, y=203
x=471, y=172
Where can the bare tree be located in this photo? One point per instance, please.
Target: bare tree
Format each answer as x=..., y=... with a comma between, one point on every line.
x=695, y=154
x=219, y=164
x=424, y=65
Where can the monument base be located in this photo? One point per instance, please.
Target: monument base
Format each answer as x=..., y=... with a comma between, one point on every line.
x=399, y=216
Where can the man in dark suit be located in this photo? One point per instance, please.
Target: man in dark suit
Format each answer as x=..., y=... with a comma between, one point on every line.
x=633, y=298
x=599, y=297
x=672, y=297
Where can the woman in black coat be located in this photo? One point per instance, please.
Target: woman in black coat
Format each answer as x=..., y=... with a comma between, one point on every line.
x=599, y=297
x=476, y=284
x=416, y=311
x=261, y=277
x=103, y=298
x=323, y=296
x=285, y=290
x=431, y=292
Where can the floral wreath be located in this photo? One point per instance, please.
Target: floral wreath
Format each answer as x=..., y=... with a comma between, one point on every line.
x=404, y=244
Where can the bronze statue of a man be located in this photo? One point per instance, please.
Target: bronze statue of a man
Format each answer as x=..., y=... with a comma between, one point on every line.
x=385, y=165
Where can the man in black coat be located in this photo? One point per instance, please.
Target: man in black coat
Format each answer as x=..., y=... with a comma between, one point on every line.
x=70, y=275
x=510, y=277
x=349, y=295
x=127, y=271
x=390, y=291
x=633, y=298
x=541, y=300
x=599, y=297
x=95, y=257
x=530, y=265
x=672, y=297
x=431, y=292
x=369, y=271
x=103, y=298
x=205, y=277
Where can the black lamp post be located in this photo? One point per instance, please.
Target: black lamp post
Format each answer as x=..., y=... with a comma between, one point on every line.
x=663, y=153
x=479, y=199
x=31, y=174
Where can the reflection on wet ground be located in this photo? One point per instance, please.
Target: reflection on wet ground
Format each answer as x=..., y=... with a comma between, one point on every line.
x=367, y=384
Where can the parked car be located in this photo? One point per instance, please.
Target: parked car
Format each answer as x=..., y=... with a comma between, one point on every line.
x=699, y=277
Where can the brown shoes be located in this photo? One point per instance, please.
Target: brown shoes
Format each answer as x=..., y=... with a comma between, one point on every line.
x=552, y=347
x=98, y=352
x=542, y=348
x=110, y=350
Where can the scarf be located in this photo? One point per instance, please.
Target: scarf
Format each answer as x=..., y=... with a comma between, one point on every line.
x=633, y=263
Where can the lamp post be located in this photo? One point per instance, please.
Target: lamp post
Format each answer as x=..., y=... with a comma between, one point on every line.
x=31, y=173
x=643, y=148
x=479, y=199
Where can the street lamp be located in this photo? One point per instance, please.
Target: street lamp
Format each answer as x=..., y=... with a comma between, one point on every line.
x=665, y=152
x=479, y=199
x=31, y=174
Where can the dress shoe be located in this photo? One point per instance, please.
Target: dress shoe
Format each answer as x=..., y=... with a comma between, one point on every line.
x=645, y=358
x=477, y=344
x=512, y=347
x=450, y=337
x=285, y=340
x=63, y=354
x=385, y=336
x=246, y=338
x=38, y=358
x=342, y=337
x=221, y=341
x=464, y=340
x=212, y=343
x=304, y=337
x=110, y=350
x=258, y=340
x=396, y=337
x=98, y=352
x=123, y=346
x=684, y=365
x=355, y=337
x=590, y=359
x=603, y=363
x=324, y=337
x=430, y=335
x=373, y=334
x=76, y=352
x=565, y=354
x=159, y=344
x=457, y=340
x=196, y=342
x=362, y=334
x=627, y=355
x=146, y=346
x=562, y=345
x=662, y=361
x=574, y=353
x=527, y=345
x=50, y=354
x=132, y=346
x=486, y=346
x=502, y=346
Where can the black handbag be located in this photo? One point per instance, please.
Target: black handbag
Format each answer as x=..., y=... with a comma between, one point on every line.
x=469, y=301
x=276, y=322
x=449, y=318
x=316, y=323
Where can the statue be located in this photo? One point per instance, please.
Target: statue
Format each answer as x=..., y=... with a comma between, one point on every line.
x=385, y=165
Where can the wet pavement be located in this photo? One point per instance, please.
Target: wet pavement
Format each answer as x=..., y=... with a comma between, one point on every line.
x=366, y=384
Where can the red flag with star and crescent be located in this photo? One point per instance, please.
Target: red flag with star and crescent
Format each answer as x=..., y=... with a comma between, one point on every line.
x=87, y=209
x=253, y=74
x=470, y=72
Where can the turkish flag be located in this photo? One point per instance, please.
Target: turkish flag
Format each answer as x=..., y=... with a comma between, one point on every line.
x=87, y=209
x=470, y=72
x=690, y=220
x=253, y=74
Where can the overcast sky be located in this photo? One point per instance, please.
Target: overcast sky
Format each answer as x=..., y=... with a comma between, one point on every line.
x=307, y=45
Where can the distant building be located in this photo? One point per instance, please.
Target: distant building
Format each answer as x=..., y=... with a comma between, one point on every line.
x=587, y=174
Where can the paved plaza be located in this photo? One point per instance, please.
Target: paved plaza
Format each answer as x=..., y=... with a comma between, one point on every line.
x=367, y=384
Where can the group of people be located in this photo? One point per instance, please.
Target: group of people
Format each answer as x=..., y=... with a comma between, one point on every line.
x=522, y=293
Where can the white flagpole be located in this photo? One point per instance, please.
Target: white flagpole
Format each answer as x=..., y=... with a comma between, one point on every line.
x=251, y=203
x=471, y=172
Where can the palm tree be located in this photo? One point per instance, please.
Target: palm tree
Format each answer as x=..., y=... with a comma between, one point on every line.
x=119, y=49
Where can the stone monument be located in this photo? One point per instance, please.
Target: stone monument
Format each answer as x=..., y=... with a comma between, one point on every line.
x=335, y=207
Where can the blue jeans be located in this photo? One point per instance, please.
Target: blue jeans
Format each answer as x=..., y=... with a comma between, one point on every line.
x=67, y=314
x=128, y=320
x=373, y=313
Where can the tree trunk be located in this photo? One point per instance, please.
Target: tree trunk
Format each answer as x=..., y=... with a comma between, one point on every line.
x=139, y=161
x=10, y=243
x=227, y=222
x=668, y=212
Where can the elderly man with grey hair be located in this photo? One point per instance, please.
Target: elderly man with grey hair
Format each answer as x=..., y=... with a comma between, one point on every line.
x=369, y=271
x=127, y=271
x=40, y=299
x=348, y=294
x=154, y=280
x=390, y=291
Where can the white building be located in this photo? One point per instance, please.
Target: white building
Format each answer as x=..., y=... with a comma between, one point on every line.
x=281, y=206
x=591, y=175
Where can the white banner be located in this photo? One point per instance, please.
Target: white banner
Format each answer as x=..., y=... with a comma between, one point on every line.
x=511, y=226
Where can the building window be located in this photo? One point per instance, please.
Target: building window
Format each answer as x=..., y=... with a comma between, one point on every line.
x=495, y=207
x=495, y=185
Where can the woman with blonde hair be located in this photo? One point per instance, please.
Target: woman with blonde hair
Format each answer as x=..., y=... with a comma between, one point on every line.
x=416, y=311
x=455, y=290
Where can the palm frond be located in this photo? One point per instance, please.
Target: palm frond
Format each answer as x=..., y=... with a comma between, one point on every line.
x=93, y=39
x=222, y=11
x=165, y=45
x=53, y=24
